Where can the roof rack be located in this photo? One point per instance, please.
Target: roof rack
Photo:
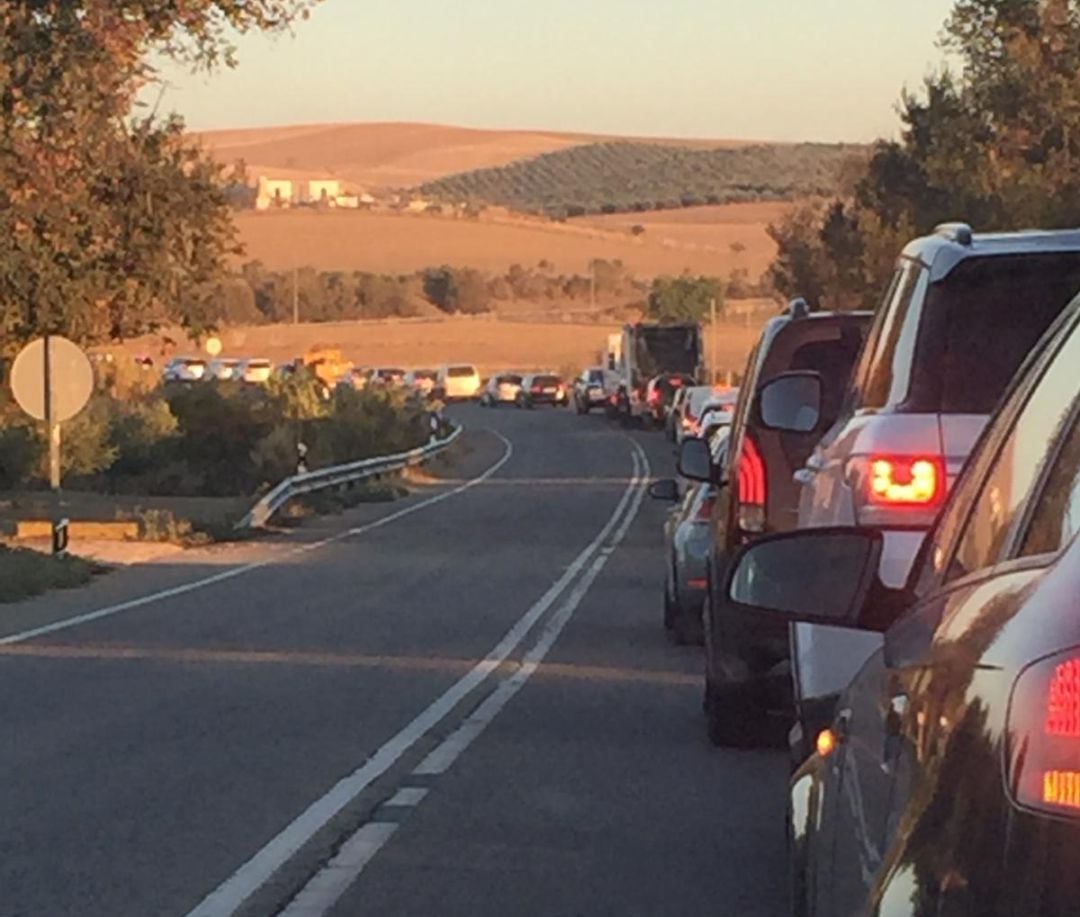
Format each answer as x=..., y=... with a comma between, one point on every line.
x=798, y=308
x=960, y=233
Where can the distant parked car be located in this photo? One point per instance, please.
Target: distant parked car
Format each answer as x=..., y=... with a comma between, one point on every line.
x=687, y=540
x=422, y=381
x=458, y=382
x=184, y=369
x=224, y=369
x=387, y=376
x=589, y=390
x=503, y=388
x=747, y=674
x=255, y=371
x=947, y=781
x=947, y=340
x=542, y=388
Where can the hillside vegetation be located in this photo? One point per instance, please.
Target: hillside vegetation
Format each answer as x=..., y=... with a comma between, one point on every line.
x=624, y=176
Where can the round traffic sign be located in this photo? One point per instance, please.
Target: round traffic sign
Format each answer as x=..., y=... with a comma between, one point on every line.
x=213, y=346
x=71, y=378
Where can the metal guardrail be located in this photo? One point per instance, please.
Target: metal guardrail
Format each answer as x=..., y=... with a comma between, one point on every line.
x=336, y=475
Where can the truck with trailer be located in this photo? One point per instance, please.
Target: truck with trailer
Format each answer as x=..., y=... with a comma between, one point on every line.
x=665, y=355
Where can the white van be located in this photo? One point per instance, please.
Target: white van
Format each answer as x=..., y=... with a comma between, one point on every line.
x=459, y=381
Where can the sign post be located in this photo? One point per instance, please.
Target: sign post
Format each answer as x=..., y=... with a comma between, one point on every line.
x=52, y=380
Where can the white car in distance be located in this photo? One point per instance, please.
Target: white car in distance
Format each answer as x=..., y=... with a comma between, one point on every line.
x=459, y=382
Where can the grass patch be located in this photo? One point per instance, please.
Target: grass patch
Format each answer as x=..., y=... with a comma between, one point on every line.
x=25, y=573
x=329, y=502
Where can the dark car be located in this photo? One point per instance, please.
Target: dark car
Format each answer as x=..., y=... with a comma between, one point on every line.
x=949, y=781
x=747, y=671
x=541, y=388
x=660, y=393
x=589, y=390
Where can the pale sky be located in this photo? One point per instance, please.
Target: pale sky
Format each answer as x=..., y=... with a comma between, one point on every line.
x=758, y=69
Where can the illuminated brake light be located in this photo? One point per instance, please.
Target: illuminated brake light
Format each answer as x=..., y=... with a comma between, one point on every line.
x=900, y=481
x=752, y=487
x=1044, y=736
x=655, y=396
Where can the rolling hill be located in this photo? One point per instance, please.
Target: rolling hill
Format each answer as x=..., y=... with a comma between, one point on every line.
x=382, y=155
x=621, y=176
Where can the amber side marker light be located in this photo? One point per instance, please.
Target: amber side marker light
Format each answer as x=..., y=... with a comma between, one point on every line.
x=826, y=743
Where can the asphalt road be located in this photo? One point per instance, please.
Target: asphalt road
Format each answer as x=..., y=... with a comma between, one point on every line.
x=461, y=703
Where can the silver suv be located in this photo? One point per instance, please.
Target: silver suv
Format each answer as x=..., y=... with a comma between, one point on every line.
x=960, y=316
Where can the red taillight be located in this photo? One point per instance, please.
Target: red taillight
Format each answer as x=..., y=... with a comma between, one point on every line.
x=1044, y=735
x=704, y=513
x=538, y=390
x=899, y=480
x=751, y=474
x=655, y=396
x=676, y=383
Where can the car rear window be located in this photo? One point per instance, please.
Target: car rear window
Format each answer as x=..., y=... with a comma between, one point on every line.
x=547, y=380
x=460, y=372
x=509, y=379
x=979, y=325
x=596, y=375
x=425, y=374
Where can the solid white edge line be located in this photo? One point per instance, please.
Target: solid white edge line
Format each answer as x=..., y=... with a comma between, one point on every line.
x=228, y=897
x=323, y=891
x=194, y=585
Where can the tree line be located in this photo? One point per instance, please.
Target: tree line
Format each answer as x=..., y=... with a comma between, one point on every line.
x=258, y=295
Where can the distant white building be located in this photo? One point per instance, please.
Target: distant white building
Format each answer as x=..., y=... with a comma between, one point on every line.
x=274, y=192
x=323, y=189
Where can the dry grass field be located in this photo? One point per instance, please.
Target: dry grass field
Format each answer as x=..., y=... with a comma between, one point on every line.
x=390, y=155
x=397, y=243
x=489, y=343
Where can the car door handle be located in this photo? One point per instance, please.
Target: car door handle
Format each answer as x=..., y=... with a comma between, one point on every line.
x=842, y=724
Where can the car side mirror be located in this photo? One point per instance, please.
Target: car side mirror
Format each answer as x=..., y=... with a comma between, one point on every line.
x=791, y=402
x=816, y=576
x=695, y=462
x=665, y=489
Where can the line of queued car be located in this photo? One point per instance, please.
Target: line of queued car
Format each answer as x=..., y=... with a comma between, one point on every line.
x=893, y=575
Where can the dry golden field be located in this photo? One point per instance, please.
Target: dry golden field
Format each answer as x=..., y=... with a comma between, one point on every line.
x=400, y=243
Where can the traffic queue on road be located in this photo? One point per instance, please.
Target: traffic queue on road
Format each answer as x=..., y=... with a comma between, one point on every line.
x=874, y=540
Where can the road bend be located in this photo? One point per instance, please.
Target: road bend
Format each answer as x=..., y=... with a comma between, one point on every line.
x=462, y=703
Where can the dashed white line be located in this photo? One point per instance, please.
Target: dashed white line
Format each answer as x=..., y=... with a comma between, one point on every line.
x=228, y=897
x=407, y=796
x=328, y=885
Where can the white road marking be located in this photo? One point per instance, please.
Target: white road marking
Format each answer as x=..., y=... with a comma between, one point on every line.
x=334, y=879
x=329, y=884
x=233, y=572
x=407, y=796
x=228, y=897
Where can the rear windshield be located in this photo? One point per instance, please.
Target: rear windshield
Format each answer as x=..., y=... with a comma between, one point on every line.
x=424, y=374
x=596, y=375
x=509, y=379
x=547, y=380
x=459, y=372
x=979, y=325
x=672, y=349
x=192, y=363
x=259, y=364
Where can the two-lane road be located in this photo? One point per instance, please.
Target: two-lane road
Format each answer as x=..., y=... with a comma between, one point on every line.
x=462, y=703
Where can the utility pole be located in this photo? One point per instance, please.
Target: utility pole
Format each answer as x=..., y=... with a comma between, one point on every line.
x=296, y=296
x=715, y=369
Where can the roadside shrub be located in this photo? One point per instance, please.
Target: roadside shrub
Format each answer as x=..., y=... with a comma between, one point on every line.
x=20, y=454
